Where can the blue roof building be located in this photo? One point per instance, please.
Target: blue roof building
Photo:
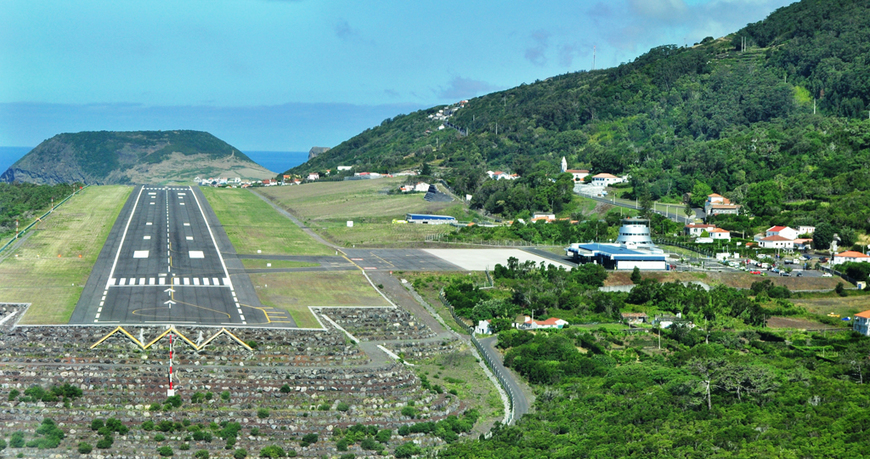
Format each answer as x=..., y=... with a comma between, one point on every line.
x=430, y=219
x=615, y=256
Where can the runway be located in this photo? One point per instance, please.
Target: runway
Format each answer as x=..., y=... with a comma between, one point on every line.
x=168, y=261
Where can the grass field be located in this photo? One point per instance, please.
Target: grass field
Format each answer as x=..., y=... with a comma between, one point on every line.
x=351, y=200
x=46, y=270
x=275, y=264
x=327, y=206
x=294, y=292
x=252, y=224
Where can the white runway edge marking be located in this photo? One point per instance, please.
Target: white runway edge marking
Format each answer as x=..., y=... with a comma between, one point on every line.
x=196, y=253
x=124, y=236
x=140, y=254
x=213, y=241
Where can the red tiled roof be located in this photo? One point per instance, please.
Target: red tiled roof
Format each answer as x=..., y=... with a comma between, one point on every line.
x=776, y=229
x=776, y=238
x=714, y=195
x=864, y=314
x=550, y=321
x=605, y=175
x=851, y=254
x=718, y=230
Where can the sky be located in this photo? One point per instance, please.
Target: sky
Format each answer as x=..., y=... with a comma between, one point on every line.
x=286, y=75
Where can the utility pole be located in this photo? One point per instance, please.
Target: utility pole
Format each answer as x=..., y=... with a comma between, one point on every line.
x=593, y=57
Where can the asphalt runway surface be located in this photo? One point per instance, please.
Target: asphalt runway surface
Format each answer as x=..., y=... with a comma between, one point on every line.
x=167, y=260
x=399, y=260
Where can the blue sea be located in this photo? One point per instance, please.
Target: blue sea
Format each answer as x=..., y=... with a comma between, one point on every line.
x=275, y=161
x=8, y=156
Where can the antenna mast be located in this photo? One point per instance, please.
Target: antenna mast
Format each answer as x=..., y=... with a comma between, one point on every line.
x=593, y=57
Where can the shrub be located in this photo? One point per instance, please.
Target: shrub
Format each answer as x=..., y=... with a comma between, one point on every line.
x=409, y=412
x=342, y=444
x=165, y=451
x=255, y=431
x=285, y=389
x=13, y=394
x=272, y=451
x=240, y=453
x=17, y=440
x=174, y=401
x=159, y=437
x=384, y=435
x=98, y=424
x=263, y=413
x=225, y=396
x=105, y=442
x=407, y=450
x=85, y=448
x=201, y=454
x=343, y=407
x=347, y=456
x=184, y=446
x=309, y=439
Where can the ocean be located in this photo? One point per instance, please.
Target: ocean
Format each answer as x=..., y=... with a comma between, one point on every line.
x=278, y=161
x=275, y=161
x=8, y=156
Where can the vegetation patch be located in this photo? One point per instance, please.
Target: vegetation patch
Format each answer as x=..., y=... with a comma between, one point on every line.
x=252, y=225
x=296, y=291
x=47, y=270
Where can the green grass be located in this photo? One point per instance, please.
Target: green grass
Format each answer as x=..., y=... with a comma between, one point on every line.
x=294, y=292
x=252, y=225
x=275, y=264
x=47, y=270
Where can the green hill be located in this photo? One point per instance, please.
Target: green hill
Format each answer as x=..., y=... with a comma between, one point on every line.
x=780, y=125
x=131, y=157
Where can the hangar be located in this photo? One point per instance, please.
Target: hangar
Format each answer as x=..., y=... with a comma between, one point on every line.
x=613, y=256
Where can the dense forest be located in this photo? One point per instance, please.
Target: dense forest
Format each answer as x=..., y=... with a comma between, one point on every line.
x=780, y=125
x=24, y=201
x=715, y=383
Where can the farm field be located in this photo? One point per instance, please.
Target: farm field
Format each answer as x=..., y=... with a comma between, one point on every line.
x=52, y=266
x=327, y=206
x=253, y=225
x=296, y=291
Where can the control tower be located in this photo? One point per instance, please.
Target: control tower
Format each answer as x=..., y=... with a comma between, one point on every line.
x=634, y=234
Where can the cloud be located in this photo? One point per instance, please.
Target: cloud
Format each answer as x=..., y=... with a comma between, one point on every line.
x=463, y=88
x=536, y=54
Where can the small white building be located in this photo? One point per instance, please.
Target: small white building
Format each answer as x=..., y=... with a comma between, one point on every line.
x=806, y=229
x=850, y=256
x=578, y=174
x=552, y=322
x=696, y=229
x=720, y=234
x=313, y=176
x=483, y=328
x=717, y=204
x=344, y=168
x=776, y=242
x=861, y=324
x=605, y=179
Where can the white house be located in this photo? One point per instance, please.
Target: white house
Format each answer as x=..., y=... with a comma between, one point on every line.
x=861, y=324
x=483, y=327
x=776, y=242
x=806, y=229
x=717, y=204
x=696, y=229
x=850, y=256
x=784, y=231
x=605, y=179
x=578, y=174
x=552, y=322
x=720, y=234
x=344, y=168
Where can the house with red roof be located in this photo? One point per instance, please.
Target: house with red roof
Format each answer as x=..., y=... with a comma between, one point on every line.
x=784, y=231
x=717, y=204
x=552, y=322
x=696, y=229
x=605, y=179
x=776, y=242
x=861, y=324
x=850, y=256
x=719, y=234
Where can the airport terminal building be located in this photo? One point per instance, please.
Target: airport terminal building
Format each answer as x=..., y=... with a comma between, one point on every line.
x=633, y=248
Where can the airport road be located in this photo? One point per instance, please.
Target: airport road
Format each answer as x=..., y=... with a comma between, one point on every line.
x=163, y=264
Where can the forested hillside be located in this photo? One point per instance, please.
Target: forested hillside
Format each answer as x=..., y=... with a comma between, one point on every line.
x=779, y=125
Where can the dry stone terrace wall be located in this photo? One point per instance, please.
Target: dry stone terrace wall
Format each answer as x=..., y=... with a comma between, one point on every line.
x=379, y=324
x=120, y=380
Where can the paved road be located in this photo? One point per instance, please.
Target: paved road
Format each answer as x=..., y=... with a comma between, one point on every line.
x=521, y=401
x=162, y=263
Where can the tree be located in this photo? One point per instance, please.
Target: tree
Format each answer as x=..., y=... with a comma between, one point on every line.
x=764, y=198
x=426, y=169
x=635, y=275
x=823, y=236
x=699, y=193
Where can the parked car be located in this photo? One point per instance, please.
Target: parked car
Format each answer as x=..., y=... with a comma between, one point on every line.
x=754, y=272
x=827, y=275
x=823, y=260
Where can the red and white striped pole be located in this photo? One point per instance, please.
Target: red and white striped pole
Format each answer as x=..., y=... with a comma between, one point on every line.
x=171, y=391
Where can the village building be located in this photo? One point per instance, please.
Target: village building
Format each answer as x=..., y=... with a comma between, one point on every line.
x=861, y=324
x=717, y=205
x=850, y=256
